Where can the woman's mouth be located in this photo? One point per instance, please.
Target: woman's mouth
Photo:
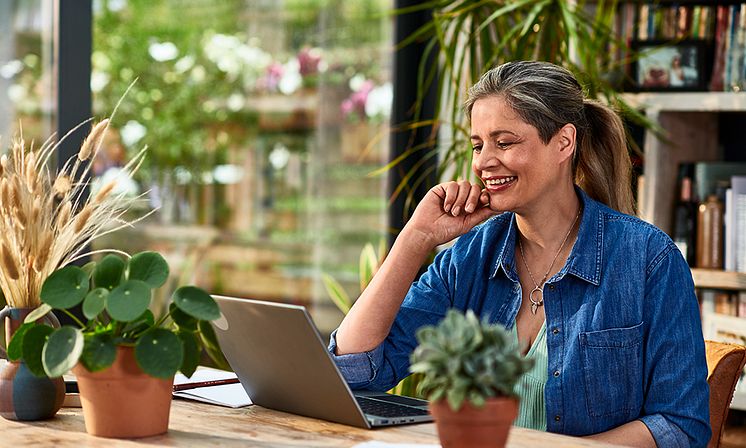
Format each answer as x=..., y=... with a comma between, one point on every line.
x=498, y=183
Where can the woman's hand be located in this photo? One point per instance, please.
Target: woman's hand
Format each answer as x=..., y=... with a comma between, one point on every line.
x=449, y=210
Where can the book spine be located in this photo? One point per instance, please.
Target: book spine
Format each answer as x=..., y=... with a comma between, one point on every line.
x=716, y=83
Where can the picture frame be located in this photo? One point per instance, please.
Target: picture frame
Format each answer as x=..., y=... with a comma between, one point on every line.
x=663, y=66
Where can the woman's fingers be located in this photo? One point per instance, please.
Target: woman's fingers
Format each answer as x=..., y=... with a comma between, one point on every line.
x=451, y=190
x=472, y=202
x=461, y=197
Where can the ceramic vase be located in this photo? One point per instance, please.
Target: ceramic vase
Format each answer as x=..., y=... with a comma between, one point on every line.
x=122, y=401
x=24, y=396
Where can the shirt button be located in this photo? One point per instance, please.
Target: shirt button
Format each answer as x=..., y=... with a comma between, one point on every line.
x=551, y=287
x=556, y=373
x=557, y=418
x=507, y=266
x=555, y=331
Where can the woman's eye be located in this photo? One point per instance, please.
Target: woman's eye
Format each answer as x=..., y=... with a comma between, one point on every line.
x=477, y=148
x=503, y=145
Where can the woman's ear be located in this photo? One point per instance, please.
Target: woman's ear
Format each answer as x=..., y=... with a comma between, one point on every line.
x=566, y=139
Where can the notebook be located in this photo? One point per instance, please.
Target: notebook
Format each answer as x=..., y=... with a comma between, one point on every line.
x=283, y=364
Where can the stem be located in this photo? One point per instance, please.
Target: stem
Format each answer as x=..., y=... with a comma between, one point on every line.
x=72, y=316
x=162, y=319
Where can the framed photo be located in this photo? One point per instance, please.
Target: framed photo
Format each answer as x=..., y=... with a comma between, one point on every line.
x=663, y=66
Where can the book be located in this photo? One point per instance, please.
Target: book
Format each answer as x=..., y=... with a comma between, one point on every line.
x=212, y=386
x=708, y=174
x=738, y=222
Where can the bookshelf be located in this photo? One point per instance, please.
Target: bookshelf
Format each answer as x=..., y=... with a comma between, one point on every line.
x=689, y=125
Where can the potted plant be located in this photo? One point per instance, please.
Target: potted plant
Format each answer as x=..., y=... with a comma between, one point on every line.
x=124, y=359
x=470, y=372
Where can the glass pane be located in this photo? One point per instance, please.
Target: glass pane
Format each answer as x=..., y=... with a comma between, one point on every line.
x=263, y=120
x=26, y=101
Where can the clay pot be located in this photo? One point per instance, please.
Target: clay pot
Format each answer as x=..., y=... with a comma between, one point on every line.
x=472, y=427
x=123, y=401
x=24, y=396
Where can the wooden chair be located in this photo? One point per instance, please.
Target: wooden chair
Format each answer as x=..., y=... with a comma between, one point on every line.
x=725, y=363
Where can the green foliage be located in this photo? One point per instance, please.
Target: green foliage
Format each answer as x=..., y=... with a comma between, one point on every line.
x=116, y=296
x=469, y=37
x=464, y=359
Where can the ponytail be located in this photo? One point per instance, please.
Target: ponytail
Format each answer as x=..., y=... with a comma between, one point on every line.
x=602, y=165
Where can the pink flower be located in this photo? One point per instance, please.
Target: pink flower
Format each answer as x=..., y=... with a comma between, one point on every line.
x=309, y=59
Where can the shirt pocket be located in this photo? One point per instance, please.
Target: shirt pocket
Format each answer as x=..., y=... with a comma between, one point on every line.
x=612, y=368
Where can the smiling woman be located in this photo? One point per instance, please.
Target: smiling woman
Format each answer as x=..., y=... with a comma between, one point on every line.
x=603, y=302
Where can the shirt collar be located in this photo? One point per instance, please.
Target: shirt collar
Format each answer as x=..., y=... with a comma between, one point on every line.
x=584, y=261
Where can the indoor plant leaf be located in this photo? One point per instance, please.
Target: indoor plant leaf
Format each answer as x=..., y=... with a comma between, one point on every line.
x=212, y=347
x=196, y=303
x=65, y=288
x=108, y=272
x=33, y=346
x=192, y=352
x=94, y=302
x=38, y=313
x=99, y=352
x=182, y=319
x=89, y=267
x=149, y=267
x=62, y=350
x=15, y=347
x=159, y=353
x=146, y=320
x=128, y=301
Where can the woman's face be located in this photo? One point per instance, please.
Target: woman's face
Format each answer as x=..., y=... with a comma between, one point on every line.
x=516, y=167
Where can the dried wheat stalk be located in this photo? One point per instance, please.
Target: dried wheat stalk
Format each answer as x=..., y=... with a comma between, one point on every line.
x=45, y=219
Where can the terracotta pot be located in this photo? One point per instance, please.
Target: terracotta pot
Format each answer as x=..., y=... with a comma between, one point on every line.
x=122, y=401
x=472, y=427
x=22, y=395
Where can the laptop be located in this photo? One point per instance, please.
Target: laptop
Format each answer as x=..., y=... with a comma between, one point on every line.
x=283, y=364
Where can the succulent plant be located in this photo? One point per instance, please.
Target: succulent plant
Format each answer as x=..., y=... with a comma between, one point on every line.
x=465, y=359
x=115, y=295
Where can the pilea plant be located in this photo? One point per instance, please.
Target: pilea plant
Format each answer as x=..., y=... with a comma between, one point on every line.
x=465, y=359
x=115, y=296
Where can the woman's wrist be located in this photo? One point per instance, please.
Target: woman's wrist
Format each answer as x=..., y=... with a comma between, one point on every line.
x=415, y=241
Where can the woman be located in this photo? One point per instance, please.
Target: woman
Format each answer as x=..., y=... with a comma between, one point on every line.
x=604, y=300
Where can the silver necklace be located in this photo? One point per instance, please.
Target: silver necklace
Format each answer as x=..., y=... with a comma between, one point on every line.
x=539, y=287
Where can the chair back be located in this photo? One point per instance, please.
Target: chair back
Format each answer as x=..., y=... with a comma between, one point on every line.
x=724, y=366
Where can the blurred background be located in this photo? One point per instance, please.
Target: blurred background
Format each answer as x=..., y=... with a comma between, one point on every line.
x=263, y=119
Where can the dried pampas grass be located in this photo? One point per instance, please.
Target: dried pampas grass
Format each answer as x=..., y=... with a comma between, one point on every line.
x=47, y=220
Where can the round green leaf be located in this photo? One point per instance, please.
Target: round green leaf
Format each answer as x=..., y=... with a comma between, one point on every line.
x=149, y=267
x=108, y=272
x=128, y=301
x=159, y=353
x=212, y=346
x=65, y=288
x=196, y=303
x=182, y=319
x=33, y=346
x=38, y=313
x=62, y=350
x=89, y=267
x=192, y=352
x=99, y=352
x=15, y=347
x=94, y=303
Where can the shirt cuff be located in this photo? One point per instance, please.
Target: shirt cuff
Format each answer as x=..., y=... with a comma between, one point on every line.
x=665, y=433
x=358, y=369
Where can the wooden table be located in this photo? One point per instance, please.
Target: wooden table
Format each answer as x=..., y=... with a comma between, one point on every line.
x=195, y=425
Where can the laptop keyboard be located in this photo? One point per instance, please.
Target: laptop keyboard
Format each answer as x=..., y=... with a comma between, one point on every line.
x=387, y=409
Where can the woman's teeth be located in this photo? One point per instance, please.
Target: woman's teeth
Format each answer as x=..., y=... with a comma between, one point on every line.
x=500, y=181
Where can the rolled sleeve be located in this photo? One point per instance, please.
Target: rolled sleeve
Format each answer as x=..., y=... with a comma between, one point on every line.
x=358, y=369
x=676, y=407
x=665, y=433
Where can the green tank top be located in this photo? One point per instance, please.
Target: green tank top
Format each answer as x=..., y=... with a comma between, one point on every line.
x=530, y=389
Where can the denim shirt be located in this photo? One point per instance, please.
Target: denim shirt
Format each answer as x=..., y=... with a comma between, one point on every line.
x=624, y=336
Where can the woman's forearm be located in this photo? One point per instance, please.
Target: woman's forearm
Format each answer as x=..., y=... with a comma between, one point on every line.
x=369, y=321
x=634, y=433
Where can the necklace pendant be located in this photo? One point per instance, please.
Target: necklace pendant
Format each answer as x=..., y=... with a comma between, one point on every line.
x=534, y=306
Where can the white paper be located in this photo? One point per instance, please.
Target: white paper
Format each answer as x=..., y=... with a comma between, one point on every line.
x=203, y=374
x=229, y=395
